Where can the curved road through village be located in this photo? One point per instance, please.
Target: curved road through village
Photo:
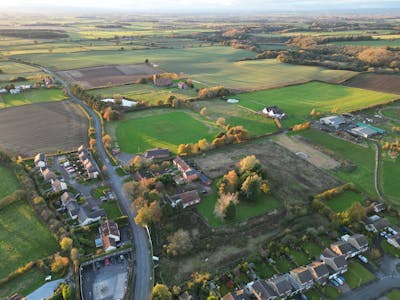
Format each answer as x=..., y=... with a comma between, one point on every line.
x=143, y=272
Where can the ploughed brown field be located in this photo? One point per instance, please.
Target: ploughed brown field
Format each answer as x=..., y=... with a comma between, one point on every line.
x=104, y=76
x=376, y=82
x=42, y=127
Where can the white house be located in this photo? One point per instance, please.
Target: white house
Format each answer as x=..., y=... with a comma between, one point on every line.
x=273, y=112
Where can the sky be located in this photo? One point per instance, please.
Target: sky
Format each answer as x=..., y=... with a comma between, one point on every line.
x=208, y=5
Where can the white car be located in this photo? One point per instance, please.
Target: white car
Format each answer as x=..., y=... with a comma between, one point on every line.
x=363, y=259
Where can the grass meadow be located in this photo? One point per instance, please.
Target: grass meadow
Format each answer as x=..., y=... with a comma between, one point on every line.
x=31, y=96
x=343, y=201
x=8, y=182
x=23, y=237
x=211, y=66
x=297, y=101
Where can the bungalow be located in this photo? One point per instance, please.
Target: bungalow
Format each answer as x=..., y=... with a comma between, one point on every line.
x=162, y=81
x=110, y=229
x=58, y=186
x=47, y=174
x=319, y=271
x=336, y=262
x=359, y=242
x=343, y=248
x=303, y=277
x=186, y=199
x=273, y=112
x=281, y=286
x=40, y=160
x=375, y=223
x=187, y=172
x=157, y=153
x=260, y=290
x=85, y=217
x=394, y=240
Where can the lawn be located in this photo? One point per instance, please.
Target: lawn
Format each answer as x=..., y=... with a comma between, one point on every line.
x=393, y=295
x=390, y=174
x=330, y=292
x=244, y=210
x=357, y=275
x=283, y=264
x=393, y=112
x=297, y=101
x=362, y=157
x=312, y=249
x=98, y=192
x=343, y=201
x=389, y=249
x=300, y=257
x=12, y=68
x=215, y=65
x=31, y=96
x=23, y=237
x=166, y=128
x=112, y=209
x=8, y=182
x=144, y=92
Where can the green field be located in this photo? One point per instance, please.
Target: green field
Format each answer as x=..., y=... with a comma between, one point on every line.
x=343, y=201
x=357, y=275
x=23, y=237
x=8, y=182
x=162, y=128
x=144, y=92
x=244, y=210
x=236, y=115
x=297, y=101
x=10, y=67
x=393, y=112
x=390, y=174
x=112, y=209
x=393, y=295
x=370, y=43
x=31, y=96
x=362, y=157
x=207, y=65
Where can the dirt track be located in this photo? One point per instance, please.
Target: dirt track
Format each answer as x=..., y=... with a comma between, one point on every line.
x=42, y=127
x=312, y=155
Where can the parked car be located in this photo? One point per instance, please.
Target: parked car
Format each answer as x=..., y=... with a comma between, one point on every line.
x=341, y=278
x=303, y=297
x=334, y=282
x=363, y=259
x=107, y=261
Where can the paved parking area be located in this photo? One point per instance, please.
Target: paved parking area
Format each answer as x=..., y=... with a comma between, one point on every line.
x=106, y=282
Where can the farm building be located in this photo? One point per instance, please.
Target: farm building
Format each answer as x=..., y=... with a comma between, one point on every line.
x=156, y=153
x=188, y=173
x=365, y=130
x=333, y=121
x=273, y=112
x=158, y=80
x=232, y=101
x=124, y=102
x=187, y=199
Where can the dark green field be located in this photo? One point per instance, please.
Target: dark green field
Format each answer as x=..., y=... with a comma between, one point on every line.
x=8, y=182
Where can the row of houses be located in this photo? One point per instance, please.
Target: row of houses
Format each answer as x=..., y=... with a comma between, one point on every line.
x=48, y=175
x=377, y=224
x=333, y=262
x=89, y=166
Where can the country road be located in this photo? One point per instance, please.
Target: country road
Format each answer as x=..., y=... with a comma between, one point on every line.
x=143, y=272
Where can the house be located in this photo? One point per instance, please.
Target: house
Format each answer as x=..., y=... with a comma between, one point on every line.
x=15, y=91
x=66, y=197
x=394, y=240
x=281, y=286
x=236, y=295
x=319, y=271
x=378, y=207
x=359, y=242
x=92, y=173
x=47, y=174
x=204, y=179
x=186, y=199
x=157, y=153
x=260, y=290
x=3, y=91
x=158, y=80
x=303, y=277
x=109, y=244
x=110, y=229
x=85, y=217
x=40, y=160
x=273, y=112
x=58, y=186
x=73, y=209
x=343, y=248
x=182, y=85
x=375, y=223
x=333, y=121
x=188, y=173
x=337, y=263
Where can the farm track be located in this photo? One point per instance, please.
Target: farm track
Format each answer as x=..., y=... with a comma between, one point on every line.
x=144, y=273
x=377, y=178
